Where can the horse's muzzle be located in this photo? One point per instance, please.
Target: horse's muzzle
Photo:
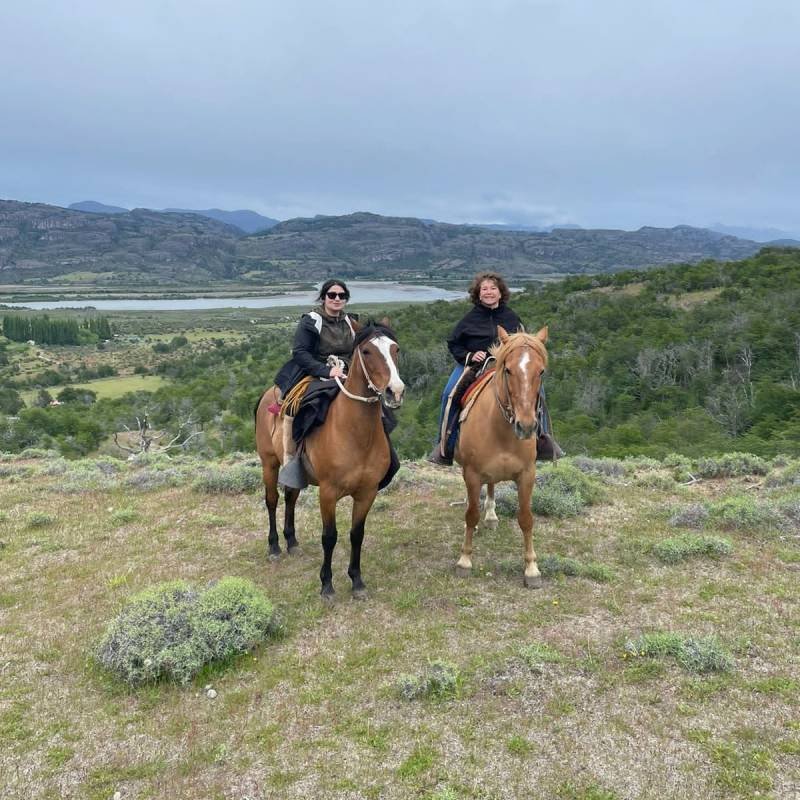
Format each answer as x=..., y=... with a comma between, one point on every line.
x=522, y=431
x=393, y=399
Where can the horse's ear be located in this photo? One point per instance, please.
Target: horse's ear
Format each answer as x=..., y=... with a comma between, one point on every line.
x=502, y=333
x=541, y=335
x=385, y=322
x=355, y=325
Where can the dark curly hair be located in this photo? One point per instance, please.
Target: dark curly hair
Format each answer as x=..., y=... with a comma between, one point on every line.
x=496, y=279
x=327, y=285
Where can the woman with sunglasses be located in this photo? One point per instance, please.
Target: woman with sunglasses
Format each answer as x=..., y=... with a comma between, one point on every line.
x=324, y=331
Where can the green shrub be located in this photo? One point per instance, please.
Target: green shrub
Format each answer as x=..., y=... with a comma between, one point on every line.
x=551, y=502
x=123, y=516
x=172, y=630
x=238, y=479
x=550, y=566
x=743, y=511
x=689, y=545
x=731, y=465
x=441, y=680
x=39, y=519
x=694, y=654
x=537, y=654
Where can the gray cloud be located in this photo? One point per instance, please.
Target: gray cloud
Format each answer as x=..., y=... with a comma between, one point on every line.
x=609, y=114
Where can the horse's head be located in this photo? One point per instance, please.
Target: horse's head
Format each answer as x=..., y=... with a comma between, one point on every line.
x=375, y=347
x=521, y=361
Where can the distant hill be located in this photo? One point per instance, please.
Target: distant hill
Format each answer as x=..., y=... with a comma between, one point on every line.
x=93, y=207
x=369, y=245
x=139, y=247
x=40, y=242
x=765, y=235
x=247, y=221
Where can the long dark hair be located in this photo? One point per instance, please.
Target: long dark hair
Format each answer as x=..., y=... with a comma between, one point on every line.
x=327, y=285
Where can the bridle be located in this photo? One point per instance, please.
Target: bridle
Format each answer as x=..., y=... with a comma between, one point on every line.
x=335, y=361
x=507, y=411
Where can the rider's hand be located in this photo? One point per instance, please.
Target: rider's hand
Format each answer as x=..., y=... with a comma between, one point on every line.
x=478, y=357
x=336, y=372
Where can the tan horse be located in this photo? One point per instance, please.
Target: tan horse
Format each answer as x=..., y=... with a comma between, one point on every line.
x=497, y=441
x=347, y=456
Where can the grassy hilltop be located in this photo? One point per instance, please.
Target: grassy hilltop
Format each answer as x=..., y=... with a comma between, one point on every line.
x=659, y=660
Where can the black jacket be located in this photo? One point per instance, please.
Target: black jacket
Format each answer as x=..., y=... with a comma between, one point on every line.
x=305, y=358
x=478, y=330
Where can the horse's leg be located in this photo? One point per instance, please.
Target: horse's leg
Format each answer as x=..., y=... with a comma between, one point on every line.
x=532, y=578
x=290, y=500
x=471, y=517
x=327, y=509
x=361, y=506
x=489, y=506
x=270, y=474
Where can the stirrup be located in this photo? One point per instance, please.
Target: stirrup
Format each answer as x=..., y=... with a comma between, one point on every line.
x=547, y=448
x=292, y=475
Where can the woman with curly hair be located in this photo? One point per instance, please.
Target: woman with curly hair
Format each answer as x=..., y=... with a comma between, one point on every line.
x=469, y=345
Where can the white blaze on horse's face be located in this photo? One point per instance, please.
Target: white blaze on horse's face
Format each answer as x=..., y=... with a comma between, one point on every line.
x=523, y=379
x=395, y=388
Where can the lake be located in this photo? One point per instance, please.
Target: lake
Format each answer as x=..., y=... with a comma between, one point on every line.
x=359, y=293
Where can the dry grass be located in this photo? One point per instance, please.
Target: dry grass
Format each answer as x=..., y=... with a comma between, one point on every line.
x=320, y=712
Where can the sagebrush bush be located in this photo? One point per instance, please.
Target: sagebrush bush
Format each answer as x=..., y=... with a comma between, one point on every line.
x=692, y=516
x=677, y=462
x=732, y=465
x=238, y=479
x=145, y=480
x=172, y=630
x=553, y=502
x=788, y=476
x=441, y=681
x=606, y=467
x=655, y=480
x=690, y=545
x=694, y=654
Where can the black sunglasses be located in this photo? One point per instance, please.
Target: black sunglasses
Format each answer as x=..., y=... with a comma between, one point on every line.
x=335, y=295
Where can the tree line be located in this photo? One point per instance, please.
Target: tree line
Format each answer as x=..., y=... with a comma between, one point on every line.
x=693, y=359
x=44, y=329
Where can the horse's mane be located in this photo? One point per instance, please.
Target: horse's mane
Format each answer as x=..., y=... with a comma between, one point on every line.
x=501, y=350
x=372, y=329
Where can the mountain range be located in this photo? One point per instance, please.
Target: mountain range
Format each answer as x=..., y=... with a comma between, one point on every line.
x=246, y=221
x=40, y=243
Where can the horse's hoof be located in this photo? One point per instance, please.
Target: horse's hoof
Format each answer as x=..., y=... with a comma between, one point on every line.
x=463, y=572
x=490, y=524
x=292, y=546
x=532, y=581
x=274, y=555
x=327, y=594
x=360, y=594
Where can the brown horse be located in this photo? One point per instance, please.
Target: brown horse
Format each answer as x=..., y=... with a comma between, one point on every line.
x=346, y=456
x=497, y=441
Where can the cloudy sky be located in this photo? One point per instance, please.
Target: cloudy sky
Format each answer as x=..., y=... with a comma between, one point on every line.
x=604, y=114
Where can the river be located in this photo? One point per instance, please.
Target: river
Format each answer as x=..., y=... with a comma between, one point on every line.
x=360, y=292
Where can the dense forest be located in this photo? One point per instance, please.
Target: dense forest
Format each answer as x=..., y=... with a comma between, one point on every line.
x=694, y=359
